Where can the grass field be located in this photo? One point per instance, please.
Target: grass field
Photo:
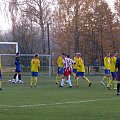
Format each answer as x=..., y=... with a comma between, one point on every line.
x=50, y=102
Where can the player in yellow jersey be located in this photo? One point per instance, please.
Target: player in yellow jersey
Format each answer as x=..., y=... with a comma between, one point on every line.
x=0, y=76
x=35, y=65
x=113, y=59
x=81, y=70
x=60, y=68
x=106, y=69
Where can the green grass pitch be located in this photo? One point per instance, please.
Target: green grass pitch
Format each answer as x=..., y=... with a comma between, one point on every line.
x=50, y=102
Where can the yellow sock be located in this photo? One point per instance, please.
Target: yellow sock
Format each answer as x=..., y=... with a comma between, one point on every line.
x=74, y=75
x=85, y=78
x=0, y=84
x=109, y=82
x=103, y=78
x=57, y=78
x=35, y=81
x=32, y=80
x=115, y=84
x=76, y=81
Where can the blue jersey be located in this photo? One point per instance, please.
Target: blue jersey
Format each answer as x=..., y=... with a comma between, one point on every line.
x=17, y=64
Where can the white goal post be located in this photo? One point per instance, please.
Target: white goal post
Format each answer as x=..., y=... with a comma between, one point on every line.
x=11, y=43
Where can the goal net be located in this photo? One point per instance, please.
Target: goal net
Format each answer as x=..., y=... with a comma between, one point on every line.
x=8, y=60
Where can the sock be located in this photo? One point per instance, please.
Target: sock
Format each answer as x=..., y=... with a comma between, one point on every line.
x=76, y=81
x=0, y=84
x=62, y=82
x=118, y=87
x=85, y=78
x=19, y=76
x=15, y=76
x=69, y=81
x=103, y=78
x=109, y=83
x=32, y=80
x=35, y=81
x=115, y=84
x=57, y=78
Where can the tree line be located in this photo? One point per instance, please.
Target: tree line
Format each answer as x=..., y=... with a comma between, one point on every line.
x=91, y=27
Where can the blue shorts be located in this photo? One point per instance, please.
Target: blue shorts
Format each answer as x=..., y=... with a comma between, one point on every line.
x=0, y=77
x=18, y=70
x=80, y=74
x=60, y=70
x=74, y=70
x=34, y=74
x=113, y=75
x=107, y=71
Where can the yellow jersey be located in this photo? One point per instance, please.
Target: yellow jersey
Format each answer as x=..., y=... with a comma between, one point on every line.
x=80, y=65
x=76, y=62
x=35, y=64
x=0, y=67
x=60, y=61
x=106, y=62
x=112, y=64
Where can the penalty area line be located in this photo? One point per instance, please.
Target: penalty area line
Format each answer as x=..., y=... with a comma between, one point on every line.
x=54, y=104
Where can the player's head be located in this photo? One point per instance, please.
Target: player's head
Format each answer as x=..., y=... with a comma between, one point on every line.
x=108, y=54
x=36, y=55
x=63, y=55
x=78, y=54
x=17, y=54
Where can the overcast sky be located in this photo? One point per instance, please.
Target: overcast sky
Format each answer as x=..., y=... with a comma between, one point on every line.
x=5, y=25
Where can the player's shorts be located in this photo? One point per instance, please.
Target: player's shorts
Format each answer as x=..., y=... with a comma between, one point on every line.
x=107, y=71
x=0, y=77
x=18, y=69
x=118, y=75
x=74, y=70
x=80, y=74
x=113, y=75
x=67, y=71
x=60, y=70
x=34, y=74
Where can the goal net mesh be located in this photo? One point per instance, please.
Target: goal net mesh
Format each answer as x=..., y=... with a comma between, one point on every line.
x=8, y=64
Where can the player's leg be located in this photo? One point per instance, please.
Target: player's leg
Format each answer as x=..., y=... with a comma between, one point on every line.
x=32, y=79
x=77, y=79
x=62, y=81
x=86, y=79
x=118, y=88
x=0, y=81
x=69, y=81
x=35, y=80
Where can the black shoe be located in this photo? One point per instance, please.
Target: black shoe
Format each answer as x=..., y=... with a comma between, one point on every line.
x=60, y=86
x=90, y=84
x=70, y=86
x=118, y=93
x=108, y=88
x=1, y=89
x=56, y=83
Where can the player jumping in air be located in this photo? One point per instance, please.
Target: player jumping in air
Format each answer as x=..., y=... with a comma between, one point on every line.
x=35, y=65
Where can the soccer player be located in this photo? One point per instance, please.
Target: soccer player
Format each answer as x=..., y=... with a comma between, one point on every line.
x=118, y=75
x=75, y=65
x=106, y=69
x=113, y=59
x=81, y=70
x=17, y=68
x=35, y=65
x=67, y=71
x=0, y=76
x=60, y=68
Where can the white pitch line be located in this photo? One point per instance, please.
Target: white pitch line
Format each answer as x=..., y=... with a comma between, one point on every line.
x=54, y=104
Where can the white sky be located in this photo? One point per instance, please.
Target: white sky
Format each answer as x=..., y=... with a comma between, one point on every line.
x=5, y=24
